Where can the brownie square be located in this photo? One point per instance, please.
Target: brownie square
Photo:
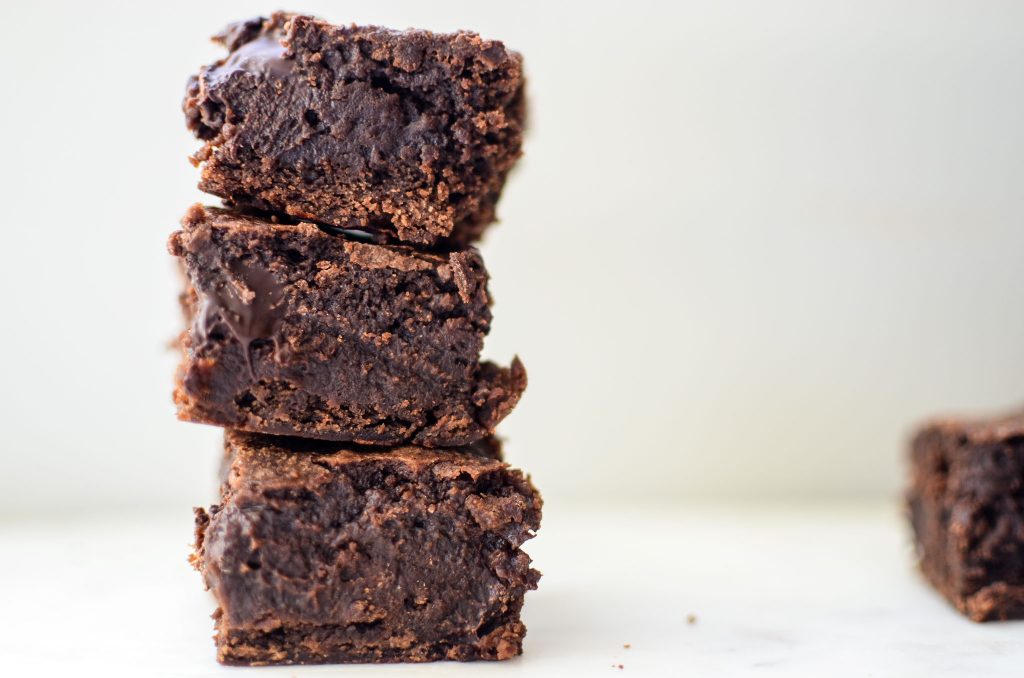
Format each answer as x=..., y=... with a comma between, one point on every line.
x=406, y=133
x=327, y=552
x=966, y=503
x=297, y=331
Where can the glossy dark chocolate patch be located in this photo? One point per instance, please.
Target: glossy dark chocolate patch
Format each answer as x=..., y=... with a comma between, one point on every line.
x=263, y=56
x=250, y=306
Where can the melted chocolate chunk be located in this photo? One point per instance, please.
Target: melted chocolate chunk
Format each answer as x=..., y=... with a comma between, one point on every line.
x=262, y=56
x=250, y=305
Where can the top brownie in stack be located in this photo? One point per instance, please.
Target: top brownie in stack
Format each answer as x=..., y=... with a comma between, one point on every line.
x=406, y=134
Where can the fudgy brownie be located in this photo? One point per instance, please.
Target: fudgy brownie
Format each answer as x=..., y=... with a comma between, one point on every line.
x=298, y=331
x=966, y=503
x=326, y=552
x=407, y=133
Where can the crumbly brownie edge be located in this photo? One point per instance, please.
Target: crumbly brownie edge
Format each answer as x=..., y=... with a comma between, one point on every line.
x=330, y=644
x=267, y=474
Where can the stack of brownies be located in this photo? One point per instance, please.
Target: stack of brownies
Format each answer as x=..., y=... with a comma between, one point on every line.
x=336, y=315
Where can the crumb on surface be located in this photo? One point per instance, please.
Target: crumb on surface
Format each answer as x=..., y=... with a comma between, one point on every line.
x=691, y=619
x=626, y=645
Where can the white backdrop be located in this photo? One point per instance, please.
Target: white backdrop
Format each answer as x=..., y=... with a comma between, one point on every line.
x=750, y=244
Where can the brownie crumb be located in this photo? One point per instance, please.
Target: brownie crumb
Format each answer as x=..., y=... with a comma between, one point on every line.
x=626, y=645
x=691, y=619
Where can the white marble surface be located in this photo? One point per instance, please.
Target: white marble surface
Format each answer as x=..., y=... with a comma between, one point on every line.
x=798, y=591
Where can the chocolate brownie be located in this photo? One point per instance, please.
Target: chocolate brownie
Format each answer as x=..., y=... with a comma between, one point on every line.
x=298, y=331
x=327, y=552
x=406, y=133
x=966, y=504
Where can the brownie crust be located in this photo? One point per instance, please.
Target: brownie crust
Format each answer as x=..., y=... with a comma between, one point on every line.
x=327, y=552
x=297, y=331
x=966, y=506
x=409, y=134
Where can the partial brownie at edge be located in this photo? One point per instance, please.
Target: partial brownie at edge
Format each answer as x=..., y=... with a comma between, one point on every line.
x=300, y=332
x=405, y=133
x=966, y=504
x=321, y=553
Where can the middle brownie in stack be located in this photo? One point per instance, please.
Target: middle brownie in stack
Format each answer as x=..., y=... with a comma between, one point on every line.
x=337, y=312
x=299, y=332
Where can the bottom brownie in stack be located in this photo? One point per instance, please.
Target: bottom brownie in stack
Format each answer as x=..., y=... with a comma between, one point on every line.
x=966, y=502
x=303, y=332
x=331, y=552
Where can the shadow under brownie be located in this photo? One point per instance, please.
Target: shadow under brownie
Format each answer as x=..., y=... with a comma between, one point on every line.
x=300, y=332
x=327, y=552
